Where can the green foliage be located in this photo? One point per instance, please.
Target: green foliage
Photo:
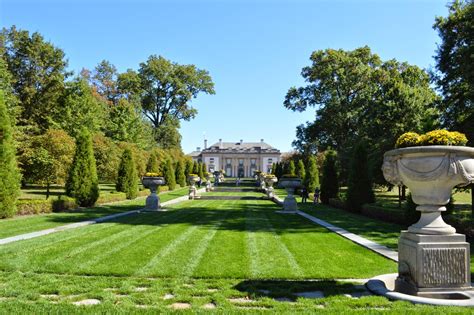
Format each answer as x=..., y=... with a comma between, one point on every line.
x=10, y=99
x=127, y=178
x=300, y=170
x=107, y=156
x=39, y=70
x=291, y=168
x=180, y=176
x=279, y=170
x=9, y=173
x=82, y=182
x=46, y=159
x=312, y=176
x=359, y=190
x=168, y=173
x=356, y=94
x=189, y=167
x=79, y=108
x=202, y=169
x=329, y=181
x=165, y=90
x=153, y=165
x=195, y=168
x=274, y=167
x=455, y=67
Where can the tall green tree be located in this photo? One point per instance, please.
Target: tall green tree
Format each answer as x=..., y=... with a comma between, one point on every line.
x=196, y=168
x=127, y=178
x=312, y=176
x=179, y=173
x=39, y=70
x=153, y=165
x=79, y=109
x=359, y=189
x=165, y=90
x=274, y=167
x=82, y=182
x=9, y=173
x=330, y=180
x=356, y=94
x=455, y=67
x=201, y=170
x=168, y=173
x=291, y=168
x=46, y=158
x=300, y=170
x=189, y=168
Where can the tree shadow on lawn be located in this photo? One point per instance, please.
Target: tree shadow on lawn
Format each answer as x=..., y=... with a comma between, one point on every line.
x=241, y=217
x=290, y=288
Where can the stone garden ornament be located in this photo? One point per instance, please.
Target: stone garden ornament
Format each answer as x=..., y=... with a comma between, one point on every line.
x=290, y=183
x=153, y=182
x=434, y=261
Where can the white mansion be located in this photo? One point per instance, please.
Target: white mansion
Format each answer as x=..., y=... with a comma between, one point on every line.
x=237, y=159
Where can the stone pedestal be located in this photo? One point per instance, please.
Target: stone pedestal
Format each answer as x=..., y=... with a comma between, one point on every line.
x=289, y=204
x=433, y=264
x=152, y=202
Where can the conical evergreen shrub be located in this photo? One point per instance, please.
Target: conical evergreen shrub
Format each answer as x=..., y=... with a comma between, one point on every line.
x=168, y=173
x=179, y=173
x=195, y=168
x=82, y=182
x=359, y=186
x=300, y=170
x=291, y=168
x=9, y=174
x=189, y=168
x=153, y=165
x=127, y=178
x=329, y=180
x=312, y=176
x=202, y=168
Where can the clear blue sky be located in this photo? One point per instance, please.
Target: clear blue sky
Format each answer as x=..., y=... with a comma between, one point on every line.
x=254, y=50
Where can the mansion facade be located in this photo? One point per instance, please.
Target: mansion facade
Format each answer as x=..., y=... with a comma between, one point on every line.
x=238, y=159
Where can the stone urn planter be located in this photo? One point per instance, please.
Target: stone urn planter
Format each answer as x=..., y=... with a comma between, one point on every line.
x=290, y=184
x=152, y=183
x=208, y=182
x=270, y=180
x=433, y=261
x=430, y=172
x=193, y=179
x=261, y=181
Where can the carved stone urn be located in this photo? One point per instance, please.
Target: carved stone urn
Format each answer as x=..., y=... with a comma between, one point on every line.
x=152, y=182
x=430, y=172
x=270, y=180
x=193, y=179
x=433, y=258
x=290, y=184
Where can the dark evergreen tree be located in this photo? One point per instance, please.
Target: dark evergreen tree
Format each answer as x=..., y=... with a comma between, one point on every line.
x=153, y=165
x=201, y=170
x=82, y=182
x=359, y=190
x=179, y=173
x=300, y=170
x=189, y=168
x=291, y=168
x=127, y=179
x=168, y=173
x=312, y=176
x=329, y=181
x=274, y=167
x=9, y=174
x=195, y=168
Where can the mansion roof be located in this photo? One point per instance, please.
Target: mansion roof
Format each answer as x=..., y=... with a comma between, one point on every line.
x=241, y=147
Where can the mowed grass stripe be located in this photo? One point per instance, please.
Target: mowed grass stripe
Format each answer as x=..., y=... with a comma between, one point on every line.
x=324, y=254
x=226, y=255
x=187, y=256
x=171, y=259
x=140, y=232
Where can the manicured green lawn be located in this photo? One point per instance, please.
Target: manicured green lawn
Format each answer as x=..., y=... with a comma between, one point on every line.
x=237, y=256
x=25, y=224
x=381, y=232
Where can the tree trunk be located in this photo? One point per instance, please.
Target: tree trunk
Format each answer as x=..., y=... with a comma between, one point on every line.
x=404, y=192
x=399, y=197
x=472, y=200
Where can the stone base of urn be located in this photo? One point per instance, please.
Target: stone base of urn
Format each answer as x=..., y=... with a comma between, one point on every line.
x=430, y=264
x=289, y=204
x=152, y=202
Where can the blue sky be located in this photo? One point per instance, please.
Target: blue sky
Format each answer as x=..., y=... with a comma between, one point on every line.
x=254, y=50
